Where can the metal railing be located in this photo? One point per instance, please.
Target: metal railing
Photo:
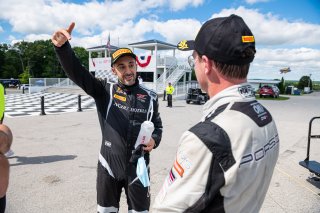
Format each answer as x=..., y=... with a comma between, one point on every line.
x=41, y=84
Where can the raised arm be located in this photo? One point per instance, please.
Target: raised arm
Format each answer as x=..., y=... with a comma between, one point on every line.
x=71, y=64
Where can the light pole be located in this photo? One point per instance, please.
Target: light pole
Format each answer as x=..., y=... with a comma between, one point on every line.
x=19, y=53
x=309, y=83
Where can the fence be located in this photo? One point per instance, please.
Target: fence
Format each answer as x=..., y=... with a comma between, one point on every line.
x=40, y=84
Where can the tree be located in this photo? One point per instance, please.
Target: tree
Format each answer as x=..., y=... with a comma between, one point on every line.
x=305, y=81
x=3, y=49
x=37, y=57
x=83, y=56
x=11, y=65
x=24, y=77
x=193, y=75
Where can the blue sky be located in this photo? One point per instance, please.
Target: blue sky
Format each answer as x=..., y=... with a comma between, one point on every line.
x=287, y=32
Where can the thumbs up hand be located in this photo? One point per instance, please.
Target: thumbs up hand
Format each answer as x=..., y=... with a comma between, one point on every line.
x=61, y=36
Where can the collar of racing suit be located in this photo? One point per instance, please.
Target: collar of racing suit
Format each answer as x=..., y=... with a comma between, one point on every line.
x=127, y=88
x=242, y=92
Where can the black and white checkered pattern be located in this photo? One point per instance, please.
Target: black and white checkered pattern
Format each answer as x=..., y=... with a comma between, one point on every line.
x=54, y=103
x=106, y=74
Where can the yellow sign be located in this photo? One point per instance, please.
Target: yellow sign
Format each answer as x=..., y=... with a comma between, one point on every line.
x=247, y=39
x=120, y=52
x=183, y=45
x=121, y=98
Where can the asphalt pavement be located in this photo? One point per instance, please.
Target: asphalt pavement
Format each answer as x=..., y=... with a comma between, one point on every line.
x=54, y=166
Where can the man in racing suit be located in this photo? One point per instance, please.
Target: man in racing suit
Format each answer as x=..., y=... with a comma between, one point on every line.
x=225, y=162
x=121, y=107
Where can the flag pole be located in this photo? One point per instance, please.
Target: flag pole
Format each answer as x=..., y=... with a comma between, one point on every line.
x=108, y=44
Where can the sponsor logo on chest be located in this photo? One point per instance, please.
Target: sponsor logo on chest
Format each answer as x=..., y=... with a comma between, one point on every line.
x=131, y=109
x=142, y=97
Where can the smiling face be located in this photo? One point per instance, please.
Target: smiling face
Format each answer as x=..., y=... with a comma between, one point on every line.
x=126, y=70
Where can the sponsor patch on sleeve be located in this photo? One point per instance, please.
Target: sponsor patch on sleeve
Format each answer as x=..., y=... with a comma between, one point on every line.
x=247, y=39
x=178, y=168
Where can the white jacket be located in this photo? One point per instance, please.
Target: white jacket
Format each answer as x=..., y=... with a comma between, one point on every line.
x=225, y=162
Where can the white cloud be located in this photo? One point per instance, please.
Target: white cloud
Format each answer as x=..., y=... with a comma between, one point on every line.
x=92, y=17
x=176, y=30
x=1, y=29
x=38, y=19
x=34, y=37
x=41, y=16
x=176, y=5
x=302, y=61
x=269, y=29
x=272, y=34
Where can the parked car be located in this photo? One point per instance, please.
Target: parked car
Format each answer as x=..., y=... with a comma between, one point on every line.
x=271, y=91
x=196, y=95
x=24, y=86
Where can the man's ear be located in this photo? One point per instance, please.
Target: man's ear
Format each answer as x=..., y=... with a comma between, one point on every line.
x=113, y=70
x=207, y=64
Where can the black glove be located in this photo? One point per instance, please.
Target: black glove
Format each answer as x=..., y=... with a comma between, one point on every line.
x=137, y=153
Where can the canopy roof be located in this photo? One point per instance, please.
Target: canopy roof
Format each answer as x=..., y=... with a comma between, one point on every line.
x=151, y=44
x=102, y=47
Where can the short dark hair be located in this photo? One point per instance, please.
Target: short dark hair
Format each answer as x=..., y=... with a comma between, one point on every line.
x=235, y=71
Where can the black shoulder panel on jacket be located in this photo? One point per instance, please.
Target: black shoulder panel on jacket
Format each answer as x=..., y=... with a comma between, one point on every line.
x=216, y=139
x=255, y=111
x=218, y=142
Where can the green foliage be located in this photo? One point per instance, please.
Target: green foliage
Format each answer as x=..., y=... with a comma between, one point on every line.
x=83, y=56
x=280, y=98
x=24, y=77
x=316, y=86
x=305, y=81
x=193, y=75
x=38, y=58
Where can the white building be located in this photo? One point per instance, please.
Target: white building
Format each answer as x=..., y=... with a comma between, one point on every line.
x=157, y=65
x=257, y=83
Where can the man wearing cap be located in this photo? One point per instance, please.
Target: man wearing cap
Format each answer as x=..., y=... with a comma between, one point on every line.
x=122, y=108
x=225, y=162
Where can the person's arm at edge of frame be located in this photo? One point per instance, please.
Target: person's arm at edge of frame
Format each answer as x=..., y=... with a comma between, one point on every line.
x=73, y=68
x=4, y=175
x=5, y=143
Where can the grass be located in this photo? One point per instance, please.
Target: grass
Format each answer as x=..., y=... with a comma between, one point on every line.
x=280, y=98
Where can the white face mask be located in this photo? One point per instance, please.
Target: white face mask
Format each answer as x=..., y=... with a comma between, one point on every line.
x=142, y=172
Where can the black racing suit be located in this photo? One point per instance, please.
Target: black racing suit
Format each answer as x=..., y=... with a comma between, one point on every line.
x=121, y=110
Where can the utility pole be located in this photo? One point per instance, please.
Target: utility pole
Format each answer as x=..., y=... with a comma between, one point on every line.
x=19, y=53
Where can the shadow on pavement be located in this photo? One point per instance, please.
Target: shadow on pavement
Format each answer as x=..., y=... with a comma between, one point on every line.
x=41, y=159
